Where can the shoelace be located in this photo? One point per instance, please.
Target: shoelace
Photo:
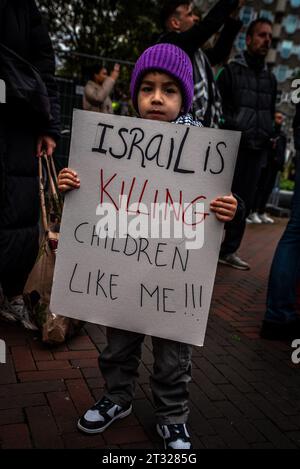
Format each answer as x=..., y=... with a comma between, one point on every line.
x=103, y=404
x=178, y=431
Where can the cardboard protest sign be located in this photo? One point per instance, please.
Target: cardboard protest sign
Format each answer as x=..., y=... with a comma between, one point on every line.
x=133, y=274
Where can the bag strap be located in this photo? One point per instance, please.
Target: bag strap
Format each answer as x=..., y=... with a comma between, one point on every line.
x=42, y=198
x=52, y=179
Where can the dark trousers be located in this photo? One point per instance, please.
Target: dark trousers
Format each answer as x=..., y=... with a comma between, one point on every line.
x=265, y=186
x=245, y=180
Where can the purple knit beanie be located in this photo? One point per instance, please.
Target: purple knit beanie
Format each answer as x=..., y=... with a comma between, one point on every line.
x=169, y=59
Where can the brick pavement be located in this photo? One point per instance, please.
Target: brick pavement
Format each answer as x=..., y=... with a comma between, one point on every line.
x=245, y=391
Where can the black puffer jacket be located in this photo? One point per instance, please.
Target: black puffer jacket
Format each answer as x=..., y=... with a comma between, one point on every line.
x=22, y=30
x=249, y=98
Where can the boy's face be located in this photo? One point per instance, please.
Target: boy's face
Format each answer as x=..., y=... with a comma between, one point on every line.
x=159, y=97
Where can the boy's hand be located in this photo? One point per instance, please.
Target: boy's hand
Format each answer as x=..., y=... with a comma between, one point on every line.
x=67, y=180
x=224, y=207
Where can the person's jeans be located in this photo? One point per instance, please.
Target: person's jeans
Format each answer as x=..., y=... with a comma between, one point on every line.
x=171, y=375
x=284, y=275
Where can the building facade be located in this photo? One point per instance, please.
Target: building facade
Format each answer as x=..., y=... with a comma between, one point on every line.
x=284, y=57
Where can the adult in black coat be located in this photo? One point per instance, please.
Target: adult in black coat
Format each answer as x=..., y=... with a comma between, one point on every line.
x=183, y=28
x=248, y=91
x=29, y=125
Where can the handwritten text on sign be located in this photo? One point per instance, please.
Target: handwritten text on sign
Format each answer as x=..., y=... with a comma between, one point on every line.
x=141, y=279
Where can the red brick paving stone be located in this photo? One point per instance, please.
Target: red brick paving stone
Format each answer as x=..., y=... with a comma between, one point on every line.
x=10, y=416
x=40, y=351
x=123, y=435
x=95, y=383
x=129, y=421
x=82, y=342
x=43, y=428
x=197, y=424
x=262, y=446
x=91, y=372
x=271, y=432
x=213, y=442
x=295, y=437
x=63, y=410
x=15, y=437
x=207, y=408
x=96, y=334
x=85, y=363
x=7, y=374
x=248, y=431
x=230, y=436
x=80, y=441
x=11, y=402
x=73, y=354
x=31, y=388
x=49, y=375
x=53, y=365
x=212, y=391
x=23, y=359
x=80, y=395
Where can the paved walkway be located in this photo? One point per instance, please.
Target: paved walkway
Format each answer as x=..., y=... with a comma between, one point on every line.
x=245, y=392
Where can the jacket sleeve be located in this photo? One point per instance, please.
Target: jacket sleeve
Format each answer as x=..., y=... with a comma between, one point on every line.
x=221, y=50
x=196, y=36
x=96, y=95
x=240, y=212
x=42, y=57
x=225, y=85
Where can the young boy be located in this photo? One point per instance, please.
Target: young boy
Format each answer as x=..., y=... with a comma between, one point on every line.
x=161, y=89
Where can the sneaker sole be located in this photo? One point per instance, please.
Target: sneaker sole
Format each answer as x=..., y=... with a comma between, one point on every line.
x=221, y=261
x=100, y=430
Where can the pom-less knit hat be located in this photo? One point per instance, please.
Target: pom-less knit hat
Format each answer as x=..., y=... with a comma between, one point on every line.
x=169, y=59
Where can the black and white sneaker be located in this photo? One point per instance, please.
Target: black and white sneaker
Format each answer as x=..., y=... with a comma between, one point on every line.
x=101, y=415
x=175, y=436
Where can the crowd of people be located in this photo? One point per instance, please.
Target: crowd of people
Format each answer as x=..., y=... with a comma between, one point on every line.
x=177, y=77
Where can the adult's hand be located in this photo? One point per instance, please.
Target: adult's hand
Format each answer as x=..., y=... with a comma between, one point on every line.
x=116, y=72
x=47, y=144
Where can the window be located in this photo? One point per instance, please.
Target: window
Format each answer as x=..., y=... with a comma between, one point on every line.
x=295, y=3
x=266, y=14
x=290, y=24
x=285, y=49
x=240, y=42
x=247, y=14
x=282, y=72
